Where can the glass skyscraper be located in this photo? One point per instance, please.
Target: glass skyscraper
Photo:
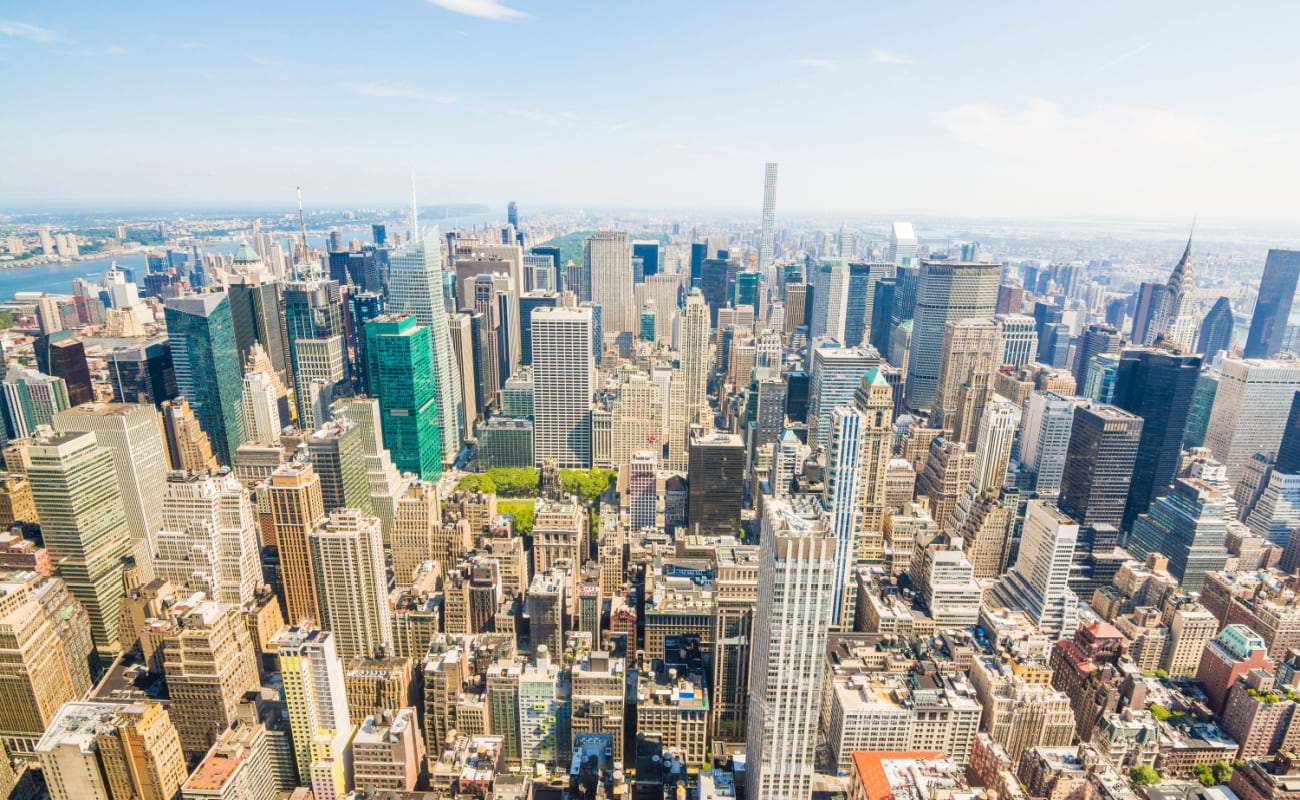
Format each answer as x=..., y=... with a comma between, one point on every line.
x=400, y=374
x=415, y=288
x=205, y=355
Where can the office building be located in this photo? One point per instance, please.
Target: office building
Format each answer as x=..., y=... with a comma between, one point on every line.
x=98, y=751
x=31, y=399
x=830, y=300
x=45, y=652
x=840, y=501
x=1045, y=440
x=789, y=644
x=401, y=375
x=415, y=279
x=1037, y=583
x=859, y=307
x=66, y=359
x=1019, y=339
x=563, y=378
x=207, y=539
x=205, y=355
x=969, y=358
x=294, y=495
x=902, y=244
x=1156, y=385
x=316, y=701
x=1189, y=525
x=1175, y=319
x=836, y=375
x=1233, y=653
x=1217, y=329
x=993, y=444
x=717, y=471
x=947, y=291
x=1250, y=410
x=84, y=525
x=643, y=499
x=208, y=658
x=608, y=259
x=1277, y=291
x=1092, y=342
x=1098, y=464
x=142, y=373
x=132, y=435
x=347, y=565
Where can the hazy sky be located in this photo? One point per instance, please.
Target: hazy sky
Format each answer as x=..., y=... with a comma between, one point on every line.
x=1035, y=109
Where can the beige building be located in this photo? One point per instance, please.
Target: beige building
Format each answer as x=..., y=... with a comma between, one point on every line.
x=98, y=751
x=45, y=651
x=970, y=356
x=387, y=751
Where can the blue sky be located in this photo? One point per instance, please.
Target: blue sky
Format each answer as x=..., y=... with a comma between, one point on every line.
x=1102, y=109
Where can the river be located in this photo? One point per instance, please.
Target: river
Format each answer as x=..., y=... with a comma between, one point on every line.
x=57, y=278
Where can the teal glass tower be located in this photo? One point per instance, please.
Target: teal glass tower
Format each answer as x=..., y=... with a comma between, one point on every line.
x=399, y=369
x=205, y=355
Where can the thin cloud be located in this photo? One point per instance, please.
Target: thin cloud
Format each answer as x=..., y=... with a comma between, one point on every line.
x=32, y=33
x=191, y=45
x=485, y=9
x=1123, y=57
x=818, y=63
x=267, y=62
x=388, y=90
x=886, y=57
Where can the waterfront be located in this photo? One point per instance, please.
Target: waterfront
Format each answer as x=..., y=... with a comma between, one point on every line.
x=57, y=278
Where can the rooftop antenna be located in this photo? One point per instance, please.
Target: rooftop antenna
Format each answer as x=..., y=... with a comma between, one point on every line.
x=415, y=212
x=302, y=231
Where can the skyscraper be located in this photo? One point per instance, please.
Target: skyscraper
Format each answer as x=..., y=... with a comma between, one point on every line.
x=1175, y=318
x=206, y=358
x=347, y=561
x=30, y=399
x=296, y=509
x=948, y=291
x=212, y=519
x=836, y=374
x=1099, y=463
x=1038, y=582
x=94, y=751
x=996, y=434
x=400, y=373
x=1093, y=341
x=840, y=501
x=1019, y=339
x=717, y=470
x=316, y=700
x=415, y=288
x=66, y=359
x=84, y=524
x=860, y=307
x=1277, y=291
x=563, y=378
x=1045, y=440
x=1156, y=385
x=902, y=244
x=767, y=240
x=1216, y=329
x=795, y=599
x=131, y=433
x=1250, y=410
x=608, y=257
x=970, y=356
x=830, y=300
x=1188, y=525
x=313, y=320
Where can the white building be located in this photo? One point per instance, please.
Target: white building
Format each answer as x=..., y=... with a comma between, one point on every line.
x=564, y=372
x=209, y=537
x=1045, y=438
x=1037, y=582
x=789, y=642
x=608, y=256
x=347, y=564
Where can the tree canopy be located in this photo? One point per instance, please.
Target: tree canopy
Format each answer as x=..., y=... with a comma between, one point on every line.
x=1144, y=775
x=522, y=510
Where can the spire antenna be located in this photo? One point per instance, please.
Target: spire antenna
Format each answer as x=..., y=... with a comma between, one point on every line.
x=302, y=230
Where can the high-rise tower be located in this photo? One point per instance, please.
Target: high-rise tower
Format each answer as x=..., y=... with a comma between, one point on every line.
x=608, y=256
x=1273, y=308
x=296, y=509
x=796, y=595
x=564, y=373
x=347, y=563
x=415, y=288
x=399, y=357
x=767, y=243
x=84, y=523
x=948, y=291
x=206, y=358
x=1175, y=319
